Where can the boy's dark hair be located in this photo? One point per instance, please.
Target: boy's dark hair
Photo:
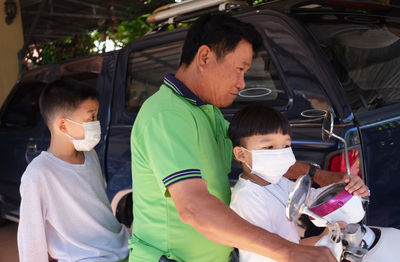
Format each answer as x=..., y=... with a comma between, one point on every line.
x=257, y=120
x=64, y=95
x=221, y=33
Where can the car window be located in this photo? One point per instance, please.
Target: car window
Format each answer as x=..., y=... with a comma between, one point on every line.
x=146, y=70
x=262, y=86
x=86, y=70
x=23, y=109
x=365, y=55
x=90, y=79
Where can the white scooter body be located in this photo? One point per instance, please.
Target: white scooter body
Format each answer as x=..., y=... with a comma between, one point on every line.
x=358, y=242
x=387, y=247
x=355, y=243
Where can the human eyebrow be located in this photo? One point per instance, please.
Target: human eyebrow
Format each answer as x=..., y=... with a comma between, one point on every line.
x=265, y=139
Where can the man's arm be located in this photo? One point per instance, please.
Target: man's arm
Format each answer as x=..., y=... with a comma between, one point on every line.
x=321, y=177
x=213, y=219
x=324, y=177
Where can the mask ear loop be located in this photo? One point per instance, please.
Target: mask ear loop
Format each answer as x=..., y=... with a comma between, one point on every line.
x=250, y=151
x=246, y=149
x=248, y=167
x=69, y=136
x=74, y=122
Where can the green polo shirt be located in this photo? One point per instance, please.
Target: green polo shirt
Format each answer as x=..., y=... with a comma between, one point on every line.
x=175, y=137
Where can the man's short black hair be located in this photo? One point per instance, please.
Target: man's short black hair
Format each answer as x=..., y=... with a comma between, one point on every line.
x=221, y=33
x=64, y=96
x=257, y=120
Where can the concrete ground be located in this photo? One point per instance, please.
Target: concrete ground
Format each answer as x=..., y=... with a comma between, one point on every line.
x=8, y=242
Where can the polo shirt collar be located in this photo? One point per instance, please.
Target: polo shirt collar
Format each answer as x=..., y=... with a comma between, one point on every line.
x=181, y=89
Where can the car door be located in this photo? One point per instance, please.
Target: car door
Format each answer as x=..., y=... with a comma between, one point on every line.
x=380, y=133
x=23, y=135
x=364, y=52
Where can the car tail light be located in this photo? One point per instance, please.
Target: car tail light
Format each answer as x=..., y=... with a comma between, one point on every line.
x=337, y=162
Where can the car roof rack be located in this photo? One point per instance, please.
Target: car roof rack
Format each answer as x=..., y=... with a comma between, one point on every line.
x=189, y=10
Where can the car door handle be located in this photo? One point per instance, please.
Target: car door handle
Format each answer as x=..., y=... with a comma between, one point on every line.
x=31, y=147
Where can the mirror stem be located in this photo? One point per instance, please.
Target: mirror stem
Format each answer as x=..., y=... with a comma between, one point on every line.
x=306, y=211
x=346, y=153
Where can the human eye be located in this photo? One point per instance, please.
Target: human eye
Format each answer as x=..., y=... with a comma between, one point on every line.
x=287, y=146
x=93, y=117
x=268, y=147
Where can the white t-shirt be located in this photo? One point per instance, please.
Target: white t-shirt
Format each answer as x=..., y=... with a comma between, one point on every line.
x=65, y=212
x=264, y=206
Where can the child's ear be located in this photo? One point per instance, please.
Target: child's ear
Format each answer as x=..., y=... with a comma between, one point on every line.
x=59, y=124
x=239, y=154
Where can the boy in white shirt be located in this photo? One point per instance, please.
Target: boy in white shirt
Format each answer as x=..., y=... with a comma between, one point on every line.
x=261, y=142
x=64, y=209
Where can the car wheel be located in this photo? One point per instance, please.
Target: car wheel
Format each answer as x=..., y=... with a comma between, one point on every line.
x=122, y=207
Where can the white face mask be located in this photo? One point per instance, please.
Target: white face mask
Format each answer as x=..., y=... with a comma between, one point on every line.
x=92, y=133
x=271, y=165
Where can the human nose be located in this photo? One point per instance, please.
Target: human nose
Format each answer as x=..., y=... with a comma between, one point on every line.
x=241, y=84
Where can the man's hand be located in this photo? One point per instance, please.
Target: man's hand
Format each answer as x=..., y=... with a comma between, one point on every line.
x=322, y=177
x=356, y=186
x=302, y=253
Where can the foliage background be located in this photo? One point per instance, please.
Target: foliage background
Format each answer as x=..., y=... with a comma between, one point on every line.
x=119, y=32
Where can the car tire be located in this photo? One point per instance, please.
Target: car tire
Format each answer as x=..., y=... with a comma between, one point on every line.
x=122, y=205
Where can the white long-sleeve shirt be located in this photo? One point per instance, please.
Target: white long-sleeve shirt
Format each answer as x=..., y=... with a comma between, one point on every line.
x=65, y=212
x=264, y=206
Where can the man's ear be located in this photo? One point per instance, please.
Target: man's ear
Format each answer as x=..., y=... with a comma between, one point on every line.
x=239, y=154
x=203, y=56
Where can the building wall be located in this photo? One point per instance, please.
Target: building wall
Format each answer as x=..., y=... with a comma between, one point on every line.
x=11, y=41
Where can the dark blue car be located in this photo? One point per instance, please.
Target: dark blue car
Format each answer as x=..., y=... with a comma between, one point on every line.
x=340, y=56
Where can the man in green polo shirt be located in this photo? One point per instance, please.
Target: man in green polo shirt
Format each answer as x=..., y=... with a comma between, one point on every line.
x=181, y=157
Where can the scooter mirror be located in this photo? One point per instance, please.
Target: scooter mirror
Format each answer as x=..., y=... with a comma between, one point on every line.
x=296, y=204
x=327, y=133
x=327, y=126
x=298, y=197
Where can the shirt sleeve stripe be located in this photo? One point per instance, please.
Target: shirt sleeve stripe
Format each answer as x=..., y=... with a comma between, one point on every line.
x=180, y=173
x=181, y=178
x=165, y=180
